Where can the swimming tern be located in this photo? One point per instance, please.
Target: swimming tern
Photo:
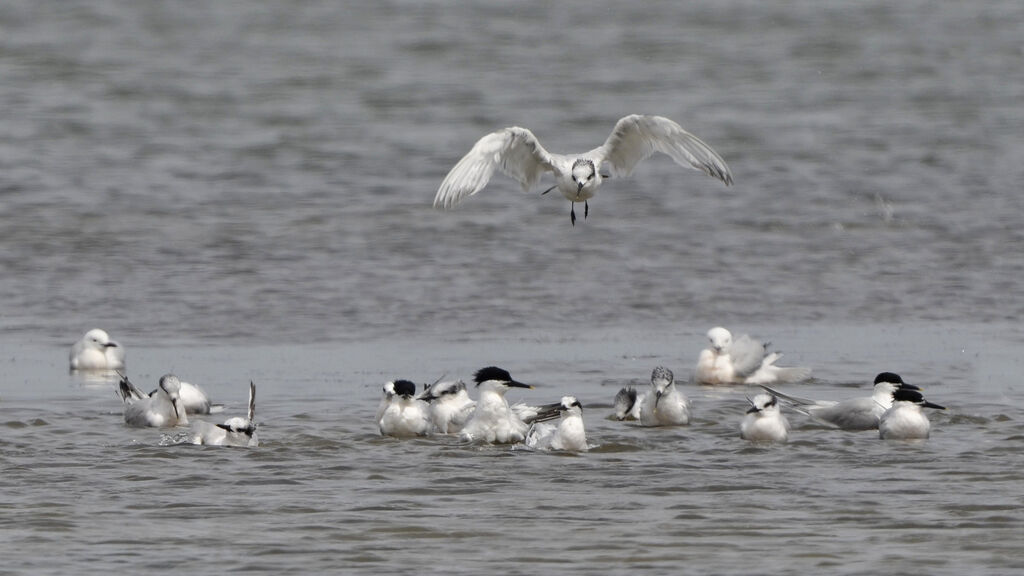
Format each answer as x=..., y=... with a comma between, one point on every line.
x=161, y=410
x=518, y=153
x=764, y=421
x=96, y=351
x=568, y=435
x=853, y=413
x=662, y=405
x=404, y=415
x=906, y=420
x=193, y=398
x=742, y=361
x=493, y=421
x=236, y=431
x=450, y=405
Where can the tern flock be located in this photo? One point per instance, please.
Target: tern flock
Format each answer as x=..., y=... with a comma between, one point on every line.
x=446, y=408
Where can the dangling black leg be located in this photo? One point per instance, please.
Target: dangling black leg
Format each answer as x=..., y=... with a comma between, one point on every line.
x=549, y=190
x=586, y=209
x=572, y=213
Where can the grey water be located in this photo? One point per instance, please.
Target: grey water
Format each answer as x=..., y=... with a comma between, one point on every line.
x=242, y=191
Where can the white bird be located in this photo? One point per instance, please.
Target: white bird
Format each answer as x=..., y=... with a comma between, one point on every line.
x=853, y=413
x=569, y=435
x=663, y=405
x=450, y=405
x=163, y=409
x=492, y=420
x=236, y=431
x=193, y=398
x=518, y=153
x=96, y=351
x=764, y=421
x=742, y=361
x=385, y=400
x=405, y=415
x=905, y=420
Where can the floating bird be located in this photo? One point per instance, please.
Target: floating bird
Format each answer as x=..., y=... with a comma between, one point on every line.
x=764, y=421
x=569, y=435
x=193, y=398
x=96, y=351
x=518, y=153
x=405, y=415
x=450, y=405
x=663, y=405
x=905, y=420
x=236, y=431
x=385, y=400
x=163, y=409
x=742, y=361
x=853, y=413
x=492, y=420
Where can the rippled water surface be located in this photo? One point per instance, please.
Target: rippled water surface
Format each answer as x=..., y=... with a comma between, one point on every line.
x=243, y=191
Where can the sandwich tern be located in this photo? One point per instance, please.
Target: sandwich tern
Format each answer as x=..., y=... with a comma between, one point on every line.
x=450, y=405
x=193, y=398
x=163, y=409
x=905, y=420
x=764, y=421
x=404, y=415
x=742, y=361
x=492, y=420
x=853, y=413
x=236, y=431
x=96, y=351
x=569, y=435
x=518, y=153
x=662, y=405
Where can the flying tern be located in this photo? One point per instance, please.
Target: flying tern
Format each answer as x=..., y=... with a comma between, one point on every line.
x=518, y=153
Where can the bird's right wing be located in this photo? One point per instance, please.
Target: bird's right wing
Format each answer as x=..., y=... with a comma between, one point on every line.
x=252, y=401
x=516, y=151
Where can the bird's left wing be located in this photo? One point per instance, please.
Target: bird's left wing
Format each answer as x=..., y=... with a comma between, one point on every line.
x=516, y=151
x=637, y=137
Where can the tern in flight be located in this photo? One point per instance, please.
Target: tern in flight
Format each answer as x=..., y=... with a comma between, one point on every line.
x=518, y=153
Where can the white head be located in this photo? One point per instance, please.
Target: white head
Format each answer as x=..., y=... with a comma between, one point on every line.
x=721, y=339
x=241, y=425
x=389, y=390
x=98, y=339
x=763, y=404
x=570, y=406
x=662, y=380
x=585, y=175
x=170, y=387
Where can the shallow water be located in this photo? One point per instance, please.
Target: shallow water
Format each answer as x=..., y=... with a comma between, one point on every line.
x=243, y=193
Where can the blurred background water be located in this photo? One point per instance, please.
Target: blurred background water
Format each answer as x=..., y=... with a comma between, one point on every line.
x=243, y=190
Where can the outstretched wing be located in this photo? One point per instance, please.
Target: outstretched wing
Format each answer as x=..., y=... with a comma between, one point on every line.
x=127, y=391
x=252, y=401
x=637, y=137
x=514, y=150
